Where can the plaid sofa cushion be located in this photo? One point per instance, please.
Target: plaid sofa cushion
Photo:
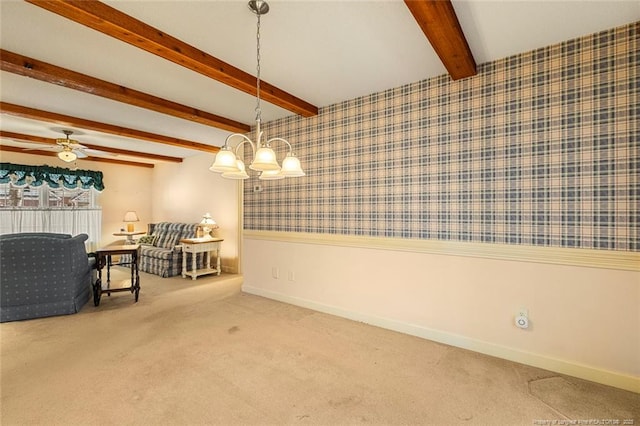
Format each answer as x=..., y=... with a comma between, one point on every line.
x=156, y=252
x=168, y=234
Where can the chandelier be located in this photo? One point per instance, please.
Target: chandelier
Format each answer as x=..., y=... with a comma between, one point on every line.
x=227, y=161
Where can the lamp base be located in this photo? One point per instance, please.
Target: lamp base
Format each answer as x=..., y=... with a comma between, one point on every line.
x=129, y=227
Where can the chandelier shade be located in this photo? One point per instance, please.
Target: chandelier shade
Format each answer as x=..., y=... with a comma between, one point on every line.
x=225, y=161
x=291, y=166
x=239, y=174
x=264, y=157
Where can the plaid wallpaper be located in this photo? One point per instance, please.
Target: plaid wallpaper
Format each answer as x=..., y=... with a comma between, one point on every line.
x=537, y=149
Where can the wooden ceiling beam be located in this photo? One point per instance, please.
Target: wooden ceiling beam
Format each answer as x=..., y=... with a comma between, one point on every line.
x=117, y=151
x=53, y=154
x=29, y=67
x=68, y=121
x=439, y=22
x=112, y=22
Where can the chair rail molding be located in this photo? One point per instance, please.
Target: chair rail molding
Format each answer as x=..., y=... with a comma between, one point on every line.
x=569, y=256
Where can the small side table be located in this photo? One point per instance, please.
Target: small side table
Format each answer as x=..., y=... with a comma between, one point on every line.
x=129, y=235
x=200, y=245
x=103, y=258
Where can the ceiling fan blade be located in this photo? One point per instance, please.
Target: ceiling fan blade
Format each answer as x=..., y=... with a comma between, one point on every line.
x=26, y=146
x=76, y=145
x=45, y=148
x=80, y=153
x=97, y=152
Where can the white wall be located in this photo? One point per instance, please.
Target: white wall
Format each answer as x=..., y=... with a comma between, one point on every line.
x=184, y=192
x=584, y=321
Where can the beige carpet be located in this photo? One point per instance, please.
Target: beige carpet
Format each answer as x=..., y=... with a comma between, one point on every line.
x=205, y=353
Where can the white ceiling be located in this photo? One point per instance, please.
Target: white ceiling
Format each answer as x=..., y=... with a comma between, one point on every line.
x=320, y=51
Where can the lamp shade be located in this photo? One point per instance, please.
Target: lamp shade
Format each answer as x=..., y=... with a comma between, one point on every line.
x=225, y=161
x=265, y=160
x=208, y=220
x=131, y=216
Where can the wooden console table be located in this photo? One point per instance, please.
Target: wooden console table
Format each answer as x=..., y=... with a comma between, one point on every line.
x=103, y=258
x=200, y=245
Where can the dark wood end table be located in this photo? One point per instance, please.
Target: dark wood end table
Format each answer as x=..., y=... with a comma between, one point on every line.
x=103, y=258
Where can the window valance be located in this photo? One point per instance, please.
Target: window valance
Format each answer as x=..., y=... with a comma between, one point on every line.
x=20, y=175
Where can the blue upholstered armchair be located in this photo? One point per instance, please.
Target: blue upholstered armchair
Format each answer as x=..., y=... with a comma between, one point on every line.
x=43, y=274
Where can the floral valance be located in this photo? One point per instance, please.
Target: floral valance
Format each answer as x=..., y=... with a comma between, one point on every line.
x=20, y=175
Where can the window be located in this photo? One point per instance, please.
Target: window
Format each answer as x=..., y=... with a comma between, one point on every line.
x=46, y=197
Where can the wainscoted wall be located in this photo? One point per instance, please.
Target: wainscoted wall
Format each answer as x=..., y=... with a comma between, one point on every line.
x=537, y=149
x=539, y=152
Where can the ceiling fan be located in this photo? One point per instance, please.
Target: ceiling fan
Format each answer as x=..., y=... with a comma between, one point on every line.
x=71, y=149
x=68, y=150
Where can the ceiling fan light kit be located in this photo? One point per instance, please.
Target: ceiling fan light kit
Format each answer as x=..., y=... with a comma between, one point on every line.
x=67, y=153
x=264, y=157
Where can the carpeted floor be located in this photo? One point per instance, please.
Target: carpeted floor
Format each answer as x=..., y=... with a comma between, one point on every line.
x=203, y=352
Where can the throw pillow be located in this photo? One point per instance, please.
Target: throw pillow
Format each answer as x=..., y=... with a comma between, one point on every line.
x=147, y=240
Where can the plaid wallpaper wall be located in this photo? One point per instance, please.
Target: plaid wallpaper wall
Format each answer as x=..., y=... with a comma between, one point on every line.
x=538, y=149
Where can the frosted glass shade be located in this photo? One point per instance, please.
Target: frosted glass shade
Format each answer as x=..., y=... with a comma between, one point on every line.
x=291, y=166
x=67, y=156
x=225, y=161
x=265, y=160
x=240, y=173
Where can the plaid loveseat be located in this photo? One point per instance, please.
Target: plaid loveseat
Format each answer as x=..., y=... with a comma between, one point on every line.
x=162, y=255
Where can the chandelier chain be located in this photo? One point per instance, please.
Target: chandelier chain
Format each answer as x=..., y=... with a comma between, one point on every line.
x=258, y=111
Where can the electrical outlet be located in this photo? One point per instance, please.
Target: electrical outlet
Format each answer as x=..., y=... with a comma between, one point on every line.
x=275, y=273
x=522, y=319
x=292, y=276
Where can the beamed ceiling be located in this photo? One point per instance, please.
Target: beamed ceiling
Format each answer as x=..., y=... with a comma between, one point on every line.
x=143, y=82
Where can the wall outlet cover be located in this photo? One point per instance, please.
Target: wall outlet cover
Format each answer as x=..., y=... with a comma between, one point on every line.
x=522, y=321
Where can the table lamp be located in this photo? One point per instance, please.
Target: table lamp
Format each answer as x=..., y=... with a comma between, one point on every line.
x=208, y=225
x=130, y=217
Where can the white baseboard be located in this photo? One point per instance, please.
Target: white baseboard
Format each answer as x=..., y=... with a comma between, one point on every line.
x=597, y=375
